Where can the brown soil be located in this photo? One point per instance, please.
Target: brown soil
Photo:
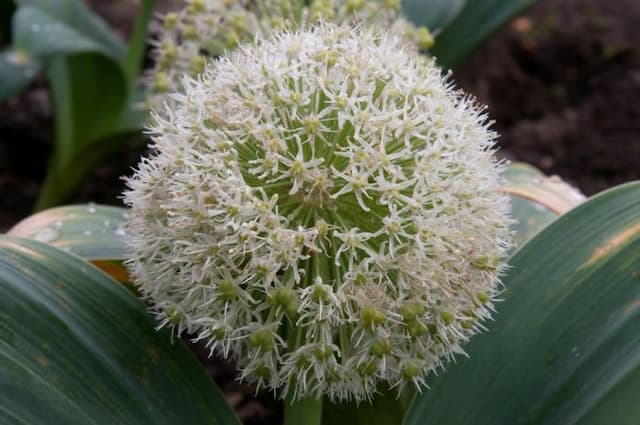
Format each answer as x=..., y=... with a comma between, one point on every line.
x=562, y=83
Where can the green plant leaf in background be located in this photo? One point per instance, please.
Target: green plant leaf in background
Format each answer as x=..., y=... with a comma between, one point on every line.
x=461, y=26
x=17, y=70
x=88, y=92
x=565, y=344
x=77, y=348
x=46, y=27
x=434, y=14
x=94, y=232
x=92, y=76
x=536, y=199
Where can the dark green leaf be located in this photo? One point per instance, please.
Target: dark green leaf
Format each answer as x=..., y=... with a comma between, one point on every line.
x=138, y=42
x=17, y=69
x=89, y=94
x=477, y=21
x=434, y=14
x=565, y=344
x=77, y=348
x=46, y=27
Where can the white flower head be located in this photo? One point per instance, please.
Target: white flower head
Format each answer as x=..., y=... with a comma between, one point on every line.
x=322, y=206
x=206, y=28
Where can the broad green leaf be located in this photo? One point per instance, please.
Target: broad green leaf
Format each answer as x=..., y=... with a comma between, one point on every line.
x=529, y=218
x=473, y=24
x=536, y=199
x=93, y=232
x=17, y=70
x=43, y=36
x=89, y=95
x=553, y=193
x=77, y=348
x=48, y=27
x=89, y=92
x=565, y=344
x=434, y=14
x=84, y=64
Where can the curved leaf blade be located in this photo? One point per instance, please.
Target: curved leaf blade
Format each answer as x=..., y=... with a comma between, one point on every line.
x=17, y=70
x=536, y=200
x=565, y=344
x=77, y=348
x=93, y=232
x=46, y=27
x=42, y=36
x=477, y=21
x=89, y=95
x=527, y=182
x=434, y=14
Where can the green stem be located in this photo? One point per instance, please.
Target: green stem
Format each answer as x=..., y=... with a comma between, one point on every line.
x=307, y=411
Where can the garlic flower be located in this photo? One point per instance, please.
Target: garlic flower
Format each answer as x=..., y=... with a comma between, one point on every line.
x=206, y=28
x=322, y=207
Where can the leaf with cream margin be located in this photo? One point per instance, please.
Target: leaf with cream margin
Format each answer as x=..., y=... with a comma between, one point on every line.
x=94, y=232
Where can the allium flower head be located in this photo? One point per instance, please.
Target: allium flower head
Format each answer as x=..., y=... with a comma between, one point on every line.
x=323, y=207
x=206, y=28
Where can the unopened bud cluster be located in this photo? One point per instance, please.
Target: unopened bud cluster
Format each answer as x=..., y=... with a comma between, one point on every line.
x=206, y=28
x=322, y=206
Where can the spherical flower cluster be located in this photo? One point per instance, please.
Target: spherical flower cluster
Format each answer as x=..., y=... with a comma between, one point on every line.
x=206, y=28
x=322, y=206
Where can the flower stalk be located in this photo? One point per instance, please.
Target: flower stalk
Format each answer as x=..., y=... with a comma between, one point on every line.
x=306, y=411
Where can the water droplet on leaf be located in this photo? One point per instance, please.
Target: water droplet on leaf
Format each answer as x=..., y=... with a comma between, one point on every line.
x=46, y=234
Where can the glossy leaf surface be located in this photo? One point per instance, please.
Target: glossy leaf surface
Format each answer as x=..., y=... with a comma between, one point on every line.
x=77, y=348
x=536, y=199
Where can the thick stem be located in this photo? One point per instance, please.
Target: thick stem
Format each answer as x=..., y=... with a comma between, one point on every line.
x=307, y=411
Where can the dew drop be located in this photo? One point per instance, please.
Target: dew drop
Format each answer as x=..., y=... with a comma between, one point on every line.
x=58, y=224
x=87, y=232
x=91, y=208
x=119, y=231
x=46, y=234
x=125, y=215
x=106, y=223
